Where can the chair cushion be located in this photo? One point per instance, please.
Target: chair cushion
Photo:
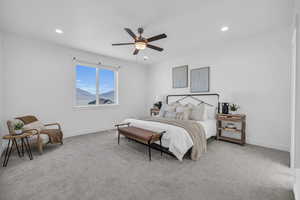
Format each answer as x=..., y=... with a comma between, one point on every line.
x=55, y=135
x=45, y=138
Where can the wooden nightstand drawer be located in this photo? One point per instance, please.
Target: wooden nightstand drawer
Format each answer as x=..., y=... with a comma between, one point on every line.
x=239, y=126
x=229, y=117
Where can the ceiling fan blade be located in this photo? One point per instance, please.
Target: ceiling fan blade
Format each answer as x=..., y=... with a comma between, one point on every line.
x=119, y=44
x=155, y=47
x=157, y=37
x=136, y=51
x=130, y=33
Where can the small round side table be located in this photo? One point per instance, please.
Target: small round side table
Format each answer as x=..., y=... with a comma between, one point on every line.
x=12, y=141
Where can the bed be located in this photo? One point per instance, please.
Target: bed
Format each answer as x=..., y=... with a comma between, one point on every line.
x=177, y=141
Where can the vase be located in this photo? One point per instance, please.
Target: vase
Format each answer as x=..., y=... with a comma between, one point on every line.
x=233, y=112
x=18, y=131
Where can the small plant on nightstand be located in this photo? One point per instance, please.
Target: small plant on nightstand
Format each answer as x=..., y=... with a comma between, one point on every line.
x=18, y=127
x=234, y=108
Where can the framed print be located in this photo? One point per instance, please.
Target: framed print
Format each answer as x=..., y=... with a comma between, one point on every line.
x=180, y=76
x=200, y=79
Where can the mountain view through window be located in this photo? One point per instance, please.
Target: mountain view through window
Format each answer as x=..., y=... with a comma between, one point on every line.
x=86, y=86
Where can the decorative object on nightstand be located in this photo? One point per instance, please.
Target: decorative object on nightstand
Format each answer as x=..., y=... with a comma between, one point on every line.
x=233, y=108
x=157, y=105
x=154, y=111
x=235, y=124
x=225, y=108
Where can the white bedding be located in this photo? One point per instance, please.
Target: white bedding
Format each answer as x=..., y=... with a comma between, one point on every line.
x=176, y=138
x=209, y=127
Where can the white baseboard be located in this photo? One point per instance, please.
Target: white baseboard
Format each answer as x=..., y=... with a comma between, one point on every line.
x=296, y=187
x=68, y=134
x=271, y=146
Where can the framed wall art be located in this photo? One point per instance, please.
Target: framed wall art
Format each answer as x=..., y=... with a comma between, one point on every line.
x=200, y=79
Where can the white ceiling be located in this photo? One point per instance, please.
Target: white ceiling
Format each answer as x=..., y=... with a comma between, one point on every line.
x=93, y=25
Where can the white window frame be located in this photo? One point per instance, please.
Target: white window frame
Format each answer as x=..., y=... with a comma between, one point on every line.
x=98, y=67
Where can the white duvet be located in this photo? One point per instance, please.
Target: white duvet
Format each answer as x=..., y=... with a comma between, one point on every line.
x=176, y=138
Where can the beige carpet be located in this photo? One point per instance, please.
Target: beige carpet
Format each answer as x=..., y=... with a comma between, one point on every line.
x=94, y=167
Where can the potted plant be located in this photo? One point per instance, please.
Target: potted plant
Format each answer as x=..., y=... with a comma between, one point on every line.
x=18, y=127
x=234, y=108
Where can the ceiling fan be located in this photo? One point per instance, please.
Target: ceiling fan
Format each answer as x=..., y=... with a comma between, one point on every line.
x=140, y=42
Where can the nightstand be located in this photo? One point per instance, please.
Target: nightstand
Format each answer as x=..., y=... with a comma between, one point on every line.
x=154, y=111
x=235, y=124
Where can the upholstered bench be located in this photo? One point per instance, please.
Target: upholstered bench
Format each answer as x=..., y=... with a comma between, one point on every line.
x=140, y=135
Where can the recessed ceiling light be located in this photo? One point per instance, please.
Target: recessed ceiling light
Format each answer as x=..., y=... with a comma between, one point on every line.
x=225, y=28
x=146, y=57
x=59, y=31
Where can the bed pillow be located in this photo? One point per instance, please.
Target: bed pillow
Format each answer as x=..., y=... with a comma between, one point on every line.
x=170, y=115
x=185, y=110
x=166, y=108
x=175, y=104
x=198, y=112
x=174, y=115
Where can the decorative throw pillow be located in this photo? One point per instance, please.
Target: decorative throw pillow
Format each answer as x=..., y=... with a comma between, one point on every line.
x=170, y=115
x=166, y=108
x=185, y=110
x=175, y=104
x=34, y=125
x=179, y=116
x=198, y=112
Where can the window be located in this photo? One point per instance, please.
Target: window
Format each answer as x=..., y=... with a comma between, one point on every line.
x=95, y=86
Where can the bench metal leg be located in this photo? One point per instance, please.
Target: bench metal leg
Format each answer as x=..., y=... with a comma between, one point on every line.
x=118, y=137
x=161, y=151
x=149, y=148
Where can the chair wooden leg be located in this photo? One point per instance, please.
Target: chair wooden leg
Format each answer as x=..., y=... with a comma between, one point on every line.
x=40, y=147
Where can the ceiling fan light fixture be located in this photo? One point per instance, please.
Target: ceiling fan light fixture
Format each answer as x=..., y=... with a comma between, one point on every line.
x=140, y=45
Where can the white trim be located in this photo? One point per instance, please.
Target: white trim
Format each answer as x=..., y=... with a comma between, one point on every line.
x=296, y=186
x=97, y=86
x=293, y=96
x=266, y=145
x=295, y=192
x=99, y=106
x=96, y=65
x=84, y=132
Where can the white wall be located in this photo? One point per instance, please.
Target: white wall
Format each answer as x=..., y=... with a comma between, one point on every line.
x=1, y=90
x=39, y=81
x=253, y=72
